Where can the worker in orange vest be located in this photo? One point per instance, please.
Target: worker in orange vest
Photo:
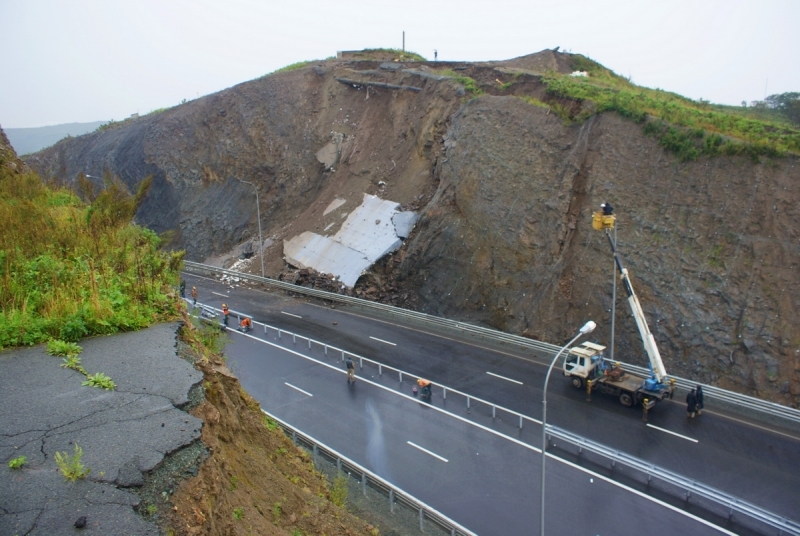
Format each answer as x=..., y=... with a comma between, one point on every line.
x=225, y=314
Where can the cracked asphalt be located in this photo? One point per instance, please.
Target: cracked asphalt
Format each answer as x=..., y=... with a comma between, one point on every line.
x=123, y=433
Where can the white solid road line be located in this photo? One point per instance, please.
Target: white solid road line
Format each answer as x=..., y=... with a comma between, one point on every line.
x=384, y=342
x=504, y=436
x=218, y=294
x=426, y=451
x=298, y=389
x=503, y=378
x=674, y=433
x=290, y=314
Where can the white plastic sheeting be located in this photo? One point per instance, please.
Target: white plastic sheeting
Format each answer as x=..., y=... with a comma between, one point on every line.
x=371, y=231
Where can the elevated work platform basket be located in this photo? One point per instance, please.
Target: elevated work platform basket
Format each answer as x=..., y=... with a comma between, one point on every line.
x=602, y=221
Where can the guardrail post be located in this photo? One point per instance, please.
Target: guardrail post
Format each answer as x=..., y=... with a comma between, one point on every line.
x=360, y=362
x=364, y=484
x=421, y=520
x=444, y=392
x=338, y=464
x=391, y=500
x=316, y=449
x=326, y=349
x=279, y=333
x=520, y=422
x=342, y=355
x=294, y=338
x=380, y=369
x=467, y=402
x=294, y=437
x=401, y=376
x=265, y=329
x=309, y=344
x=493, y=412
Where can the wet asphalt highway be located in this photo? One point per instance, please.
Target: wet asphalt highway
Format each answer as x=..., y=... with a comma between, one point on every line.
x=752, y=463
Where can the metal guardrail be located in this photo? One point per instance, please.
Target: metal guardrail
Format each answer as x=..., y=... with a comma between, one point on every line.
x=368, y=479
x=689, y=486
x=768, y=408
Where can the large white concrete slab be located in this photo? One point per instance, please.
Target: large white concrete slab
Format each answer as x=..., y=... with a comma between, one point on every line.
x=368, y=233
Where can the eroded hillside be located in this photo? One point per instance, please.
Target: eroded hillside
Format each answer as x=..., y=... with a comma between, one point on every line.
x=505, y=188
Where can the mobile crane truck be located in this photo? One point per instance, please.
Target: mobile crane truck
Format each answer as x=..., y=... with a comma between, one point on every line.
x=587, y=365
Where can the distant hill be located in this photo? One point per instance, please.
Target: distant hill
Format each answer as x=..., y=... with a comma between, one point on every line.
x=30, y=140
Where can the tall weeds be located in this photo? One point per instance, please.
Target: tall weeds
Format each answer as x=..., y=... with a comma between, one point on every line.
x=69, y=269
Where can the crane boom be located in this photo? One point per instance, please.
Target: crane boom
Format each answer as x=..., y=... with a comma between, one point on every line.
x=649, y=342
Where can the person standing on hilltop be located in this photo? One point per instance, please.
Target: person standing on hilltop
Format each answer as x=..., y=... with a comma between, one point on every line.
x=194, y=295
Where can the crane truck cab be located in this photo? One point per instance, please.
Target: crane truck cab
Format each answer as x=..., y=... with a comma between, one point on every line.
x=588, y=367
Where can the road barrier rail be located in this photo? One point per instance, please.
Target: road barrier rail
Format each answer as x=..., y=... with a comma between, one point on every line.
x=688, y=486
x=367, y=479
x=776, y=413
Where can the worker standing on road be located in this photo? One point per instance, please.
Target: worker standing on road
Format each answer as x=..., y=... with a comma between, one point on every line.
x=691, y=404
x=183, y=288
x=245, y=325
x=351, y=370
x=699, y=397
x=225, y=314
x=194, y=295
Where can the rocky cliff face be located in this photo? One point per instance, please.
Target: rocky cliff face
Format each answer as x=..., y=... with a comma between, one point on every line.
x=505, y=190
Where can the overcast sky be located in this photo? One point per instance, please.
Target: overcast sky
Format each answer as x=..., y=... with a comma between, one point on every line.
x=69, y=61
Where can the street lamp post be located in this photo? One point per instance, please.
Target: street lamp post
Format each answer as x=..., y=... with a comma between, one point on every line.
x=258, y=210
x=587, y=328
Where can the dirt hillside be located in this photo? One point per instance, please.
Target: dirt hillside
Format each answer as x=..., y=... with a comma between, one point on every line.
x=505, y=189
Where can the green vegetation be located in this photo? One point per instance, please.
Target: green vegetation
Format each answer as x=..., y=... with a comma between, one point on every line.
x=71, y=466
x=238, y=513
x=62, y=348
x=17, y=462
x=270, y=424
x=73, y=362
x=293, y=66
x=70, y=269
x=339, y=490
x=399, y=55
x=276, y=512
x=99, y=380
x=470, y=85
x=681, y=125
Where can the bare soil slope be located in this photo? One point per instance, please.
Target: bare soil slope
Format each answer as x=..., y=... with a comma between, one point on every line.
x=506, y=191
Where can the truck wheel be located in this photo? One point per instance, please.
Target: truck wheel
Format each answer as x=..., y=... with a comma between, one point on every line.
x=626, y=400
x=577, y=383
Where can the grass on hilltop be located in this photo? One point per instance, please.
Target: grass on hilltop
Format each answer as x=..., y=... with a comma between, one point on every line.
x=683, y=126
x=70, y=269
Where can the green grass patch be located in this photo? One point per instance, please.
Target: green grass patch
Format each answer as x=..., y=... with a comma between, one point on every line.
x=470, y=85
x=17, y=462
x=686, y=127
x=339, y=490
x=73, y=267
x=71, y=467
x=99, y=380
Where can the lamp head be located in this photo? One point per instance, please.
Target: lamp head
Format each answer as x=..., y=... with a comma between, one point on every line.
x=588, y=327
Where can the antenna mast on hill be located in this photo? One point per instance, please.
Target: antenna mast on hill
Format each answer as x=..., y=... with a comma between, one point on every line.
x=404, y=40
